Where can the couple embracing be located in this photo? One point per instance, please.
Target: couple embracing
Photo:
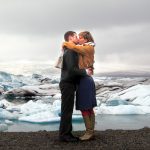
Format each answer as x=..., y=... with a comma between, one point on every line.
x=76, y=78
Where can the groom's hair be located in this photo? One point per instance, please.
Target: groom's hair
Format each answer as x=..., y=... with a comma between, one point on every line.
x=67, y=34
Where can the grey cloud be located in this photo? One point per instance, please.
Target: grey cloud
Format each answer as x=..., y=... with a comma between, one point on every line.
x=49, y=17
x=33, y=29
x=126, y=44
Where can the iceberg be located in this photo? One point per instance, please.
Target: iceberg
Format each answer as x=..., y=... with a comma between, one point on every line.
x=3, y=127
x=38, y=112
x=5, y=77
x=46, y=117
x=8, y=122
x=4, y=114
x=34, y=90
x=116, y=102
x=134, y=100
x=122, y=110
x=36, y=97
x=138, y=94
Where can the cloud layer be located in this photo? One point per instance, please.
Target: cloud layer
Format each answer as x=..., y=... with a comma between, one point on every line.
x=33, y=29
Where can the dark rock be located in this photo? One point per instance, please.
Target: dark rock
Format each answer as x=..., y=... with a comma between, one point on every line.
x=46, y=80
x=54, y=81
x=36, y=76
x=19, y=93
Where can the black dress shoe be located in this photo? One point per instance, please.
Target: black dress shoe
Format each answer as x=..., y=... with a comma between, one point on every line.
x=74, y=136
x=68, y=138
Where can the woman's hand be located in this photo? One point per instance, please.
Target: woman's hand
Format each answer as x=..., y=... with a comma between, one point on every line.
x=69, y=45
x=89, y=71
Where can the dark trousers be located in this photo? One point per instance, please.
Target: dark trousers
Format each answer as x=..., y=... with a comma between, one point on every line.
x=67, y=103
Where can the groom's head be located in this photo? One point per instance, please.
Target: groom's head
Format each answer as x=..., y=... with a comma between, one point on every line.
x=71, y=36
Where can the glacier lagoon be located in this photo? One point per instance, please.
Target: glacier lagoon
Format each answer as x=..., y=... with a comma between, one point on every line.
x=30, y=100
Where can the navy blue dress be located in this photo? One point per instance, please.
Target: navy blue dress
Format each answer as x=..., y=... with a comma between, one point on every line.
x=86, y=94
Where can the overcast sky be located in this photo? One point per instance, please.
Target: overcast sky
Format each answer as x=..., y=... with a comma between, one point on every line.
x=33, y=30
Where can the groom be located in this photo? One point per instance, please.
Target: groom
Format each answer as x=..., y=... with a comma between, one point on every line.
x=70, y=75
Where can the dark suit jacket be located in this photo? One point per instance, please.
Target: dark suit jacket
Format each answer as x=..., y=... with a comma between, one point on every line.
x=70, y=71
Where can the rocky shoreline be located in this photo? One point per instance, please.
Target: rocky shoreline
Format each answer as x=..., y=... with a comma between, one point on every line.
x=108, y=139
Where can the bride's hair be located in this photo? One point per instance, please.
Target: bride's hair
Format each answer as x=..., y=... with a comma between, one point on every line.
x=87, y=35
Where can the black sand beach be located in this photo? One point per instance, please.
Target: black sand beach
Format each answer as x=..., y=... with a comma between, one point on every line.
x=109, y=139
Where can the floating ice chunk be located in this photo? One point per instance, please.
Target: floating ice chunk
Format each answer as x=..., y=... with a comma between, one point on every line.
x=1, y=105
x=56, y=107
x=6, y=103
x=116, y=102
x=57, y=104
x=13, y=108
x=76, y=112
x=8, y=122
x=142, y=101
x=1, y=89
x=4, y=114
x=39, y=112
x=3, y=127
x=98, y=102
x=123, y=109
x=36, y=90
x=40, y=117
x=5, y=76
x=57, y=96
x=139, y=94
x=56, y=80
x=54, y=86
x=45, y=117
x=34, y=107
x=145, y=109
x=36, y=111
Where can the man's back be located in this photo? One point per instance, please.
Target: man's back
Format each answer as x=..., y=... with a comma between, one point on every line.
x=70, y=71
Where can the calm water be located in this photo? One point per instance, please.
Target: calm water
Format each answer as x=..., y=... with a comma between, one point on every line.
x=103, y=122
